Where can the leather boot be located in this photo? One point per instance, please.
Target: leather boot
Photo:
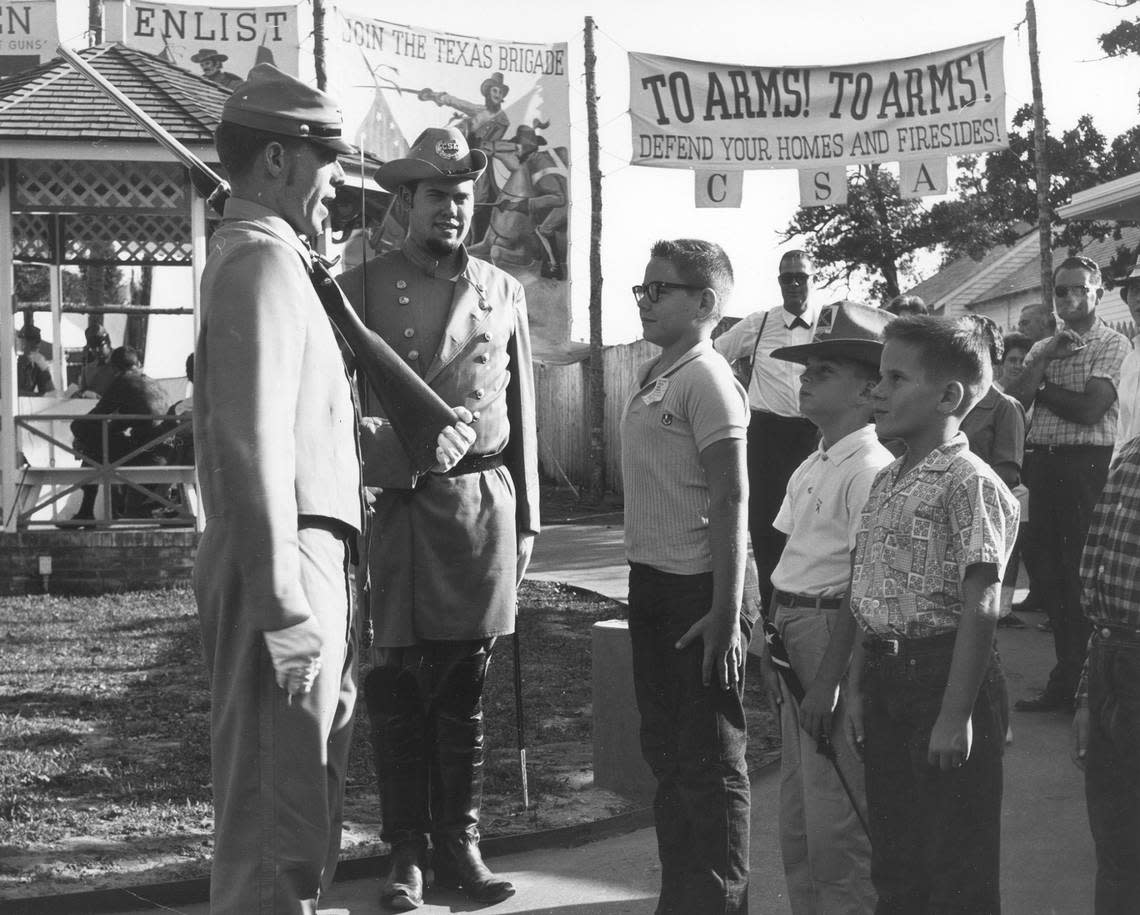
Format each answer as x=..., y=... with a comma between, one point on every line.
x=459, y=864
x=396, y=712
x=403, y=890
x=458, y=781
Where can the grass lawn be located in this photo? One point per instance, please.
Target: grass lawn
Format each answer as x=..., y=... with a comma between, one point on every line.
x=104, y=743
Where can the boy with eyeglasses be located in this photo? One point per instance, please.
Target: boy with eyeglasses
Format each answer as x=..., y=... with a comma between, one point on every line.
x=683, y=465
x=1070, y=379
x=779, y=436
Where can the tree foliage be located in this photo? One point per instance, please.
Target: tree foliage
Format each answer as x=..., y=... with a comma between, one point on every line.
x=879, y=232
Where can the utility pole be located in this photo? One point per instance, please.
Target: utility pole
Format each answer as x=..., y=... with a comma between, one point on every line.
x=319, y=44
x=1041, y=157
x=596, y=486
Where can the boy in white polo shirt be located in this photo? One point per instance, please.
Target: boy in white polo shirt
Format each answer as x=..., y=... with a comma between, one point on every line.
x=683, y=437
x=826, y=852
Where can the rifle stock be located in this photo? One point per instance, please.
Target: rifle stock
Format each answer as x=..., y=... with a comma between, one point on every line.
x=416, y=412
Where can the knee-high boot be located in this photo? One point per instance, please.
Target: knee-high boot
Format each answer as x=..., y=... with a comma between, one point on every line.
x=399, y=731
x=458, y=783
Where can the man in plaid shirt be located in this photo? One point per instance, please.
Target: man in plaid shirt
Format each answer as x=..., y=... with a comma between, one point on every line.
x=1071, y=380
x=1107, y=723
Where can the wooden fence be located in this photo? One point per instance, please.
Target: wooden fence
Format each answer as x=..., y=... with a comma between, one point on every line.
x=562, y=395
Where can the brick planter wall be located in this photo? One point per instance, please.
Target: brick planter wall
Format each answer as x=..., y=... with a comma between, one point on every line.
x=95, y=562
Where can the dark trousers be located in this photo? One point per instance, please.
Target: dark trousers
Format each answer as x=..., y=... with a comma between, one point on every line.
x=425, y=704
x=777, y=445
x=693, y=737
x=935, y=836
x=1112, y=770
x=1064, y=485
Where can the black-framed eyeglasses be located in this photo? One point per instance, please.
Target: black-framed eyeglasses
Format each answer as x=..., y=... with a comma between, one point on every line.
x=652, y=289
x=794, y=279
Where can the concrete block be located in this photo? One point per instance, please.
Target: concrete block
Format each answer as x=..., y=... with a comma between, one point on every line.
x=618, y=764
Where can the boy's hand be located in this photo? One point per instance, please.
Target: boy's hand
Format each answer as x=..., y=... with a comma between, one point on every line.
x=950, y=741
x=853, y=702
x=817, y=708
x=1080, y=735
x=720, y=635
x=770, y=676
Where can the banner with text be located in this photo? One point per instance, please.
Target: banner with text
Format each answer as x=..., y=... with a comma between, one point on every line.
x=219, y=43
x=691, y=114
x=29, y=34
x=511, y=99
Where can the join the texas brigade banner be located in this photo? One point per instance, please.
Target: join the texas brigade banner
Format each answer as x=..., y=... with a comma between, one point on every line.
x=696, y=115
x=510, y=100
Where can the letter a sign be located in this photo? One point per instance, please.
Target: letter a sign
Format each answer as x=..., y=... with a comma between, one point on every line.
x=719, y=189
x=823, y=187
x=923, y=177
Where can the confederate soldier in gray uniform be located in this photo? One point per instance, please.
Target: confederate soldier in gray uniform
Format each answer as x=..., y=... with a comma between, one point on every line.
x=450, y=548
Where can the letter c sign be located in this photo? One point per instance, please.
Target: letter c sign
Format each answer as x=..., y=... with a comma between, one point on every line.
x=718, y=189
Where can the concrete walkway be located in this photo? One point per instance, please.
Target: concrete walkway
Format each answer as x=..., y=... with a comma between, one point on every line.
x=1047, y=866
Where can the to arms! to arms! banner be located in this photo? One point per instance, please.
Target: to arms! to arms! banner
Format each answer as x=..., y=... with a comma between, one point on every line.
x=511, y=99
x=689, y=114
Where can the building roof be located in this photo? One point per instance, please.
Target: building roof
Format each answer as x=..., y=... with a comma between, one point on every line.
x=55, y=102
x=1005, y=271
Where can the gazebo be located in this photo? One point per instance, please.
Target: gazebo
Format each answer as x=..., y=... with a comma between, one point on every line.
x=99, y=224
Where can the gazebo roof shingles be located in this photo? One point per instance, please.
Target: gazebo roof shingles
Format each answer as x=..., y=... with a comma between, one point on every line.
x=55, y=102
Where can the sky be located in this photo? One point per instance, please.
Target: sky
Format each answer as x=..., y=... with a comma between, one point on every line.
x=641, y=205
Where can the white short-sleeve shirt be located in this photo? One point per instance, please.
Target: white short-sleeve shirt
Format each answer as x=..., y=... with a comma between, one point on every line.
x=821, y=511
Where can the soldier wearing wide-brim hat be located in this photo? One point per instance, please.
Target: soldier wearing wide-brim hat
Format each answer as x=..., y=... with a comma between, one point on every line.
x=275, y=440
x=438, y=152
x=449, y=549
x=209, y=54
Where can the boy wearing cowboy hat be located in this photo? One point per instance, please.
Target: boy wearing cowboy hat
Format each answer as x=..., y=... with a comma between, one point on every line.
x=827, y=855
x=449, y=550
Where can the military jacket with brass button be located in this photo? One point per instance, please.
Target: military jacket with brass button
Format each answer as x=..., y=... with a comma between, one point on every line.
x=444, y=553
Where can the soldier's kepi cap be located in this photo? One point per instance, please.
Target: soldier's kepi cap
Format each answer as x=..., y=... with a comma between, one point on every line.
x=439, y=152
x=277, y=103
x=845, y=330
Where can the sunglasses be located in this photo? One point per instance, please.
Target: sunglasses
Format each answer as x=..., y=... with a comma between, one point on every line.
x=652, y=290
x=794, y=279
x=1062, y=292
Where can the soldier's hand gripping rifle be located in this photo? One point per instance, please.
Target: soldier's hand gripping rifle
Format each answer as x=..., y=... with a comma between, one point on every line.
x=416, y=412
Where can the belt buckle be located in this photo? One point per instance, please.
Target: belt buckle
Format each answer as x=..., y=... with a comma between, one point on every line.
x=892, y=647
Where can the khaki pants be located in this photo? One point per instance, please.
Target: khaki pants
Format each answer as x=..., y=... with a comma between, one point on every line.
x=827, y=856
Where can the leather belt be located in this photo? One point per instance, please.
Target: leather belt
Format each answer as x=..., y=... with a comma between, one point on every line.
x=476, y=463
x=875, y=646
x=784, y=599
x=1034, y=448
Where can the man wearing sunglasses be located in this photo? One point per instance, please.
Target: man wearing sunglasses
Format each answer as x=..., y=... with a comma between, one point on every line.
x=779, y=437
x=1070, y=379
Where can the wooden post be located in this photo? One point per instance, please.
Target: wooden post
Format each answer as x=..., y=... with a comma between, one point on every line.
x=596, y=485
x=319, y=43
x=1041, y=156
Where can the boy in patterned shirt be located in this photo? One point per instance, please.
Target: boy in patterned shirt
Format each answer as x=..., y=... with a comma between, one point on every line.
x=925, y=692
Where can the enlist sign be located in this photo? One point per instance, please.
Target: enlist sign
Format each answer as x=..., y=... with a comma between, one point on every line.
x=689, y=114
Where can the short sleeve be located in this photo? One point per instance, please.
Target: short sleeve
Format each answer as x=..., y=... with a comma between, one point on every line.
x=1009, y=433
x=716, y=405
x=983, y=520
x=1110, y=357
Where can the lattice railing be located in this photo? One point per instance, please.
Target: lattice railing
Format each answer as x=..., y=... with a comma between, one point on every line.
x=126, y=238
x=68, y=184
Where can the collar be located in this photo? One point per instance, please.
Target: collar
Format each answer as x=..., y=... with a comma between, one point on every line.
x=248, y=210
x=811, y=312
x=940, y=459
x=851, y=444
x=685, y=358
x=429, y=263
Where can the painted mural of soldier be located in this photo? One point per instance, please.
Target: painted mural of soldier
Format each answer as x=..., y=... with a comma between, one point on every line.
x=211, y=60
x=529, y=217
